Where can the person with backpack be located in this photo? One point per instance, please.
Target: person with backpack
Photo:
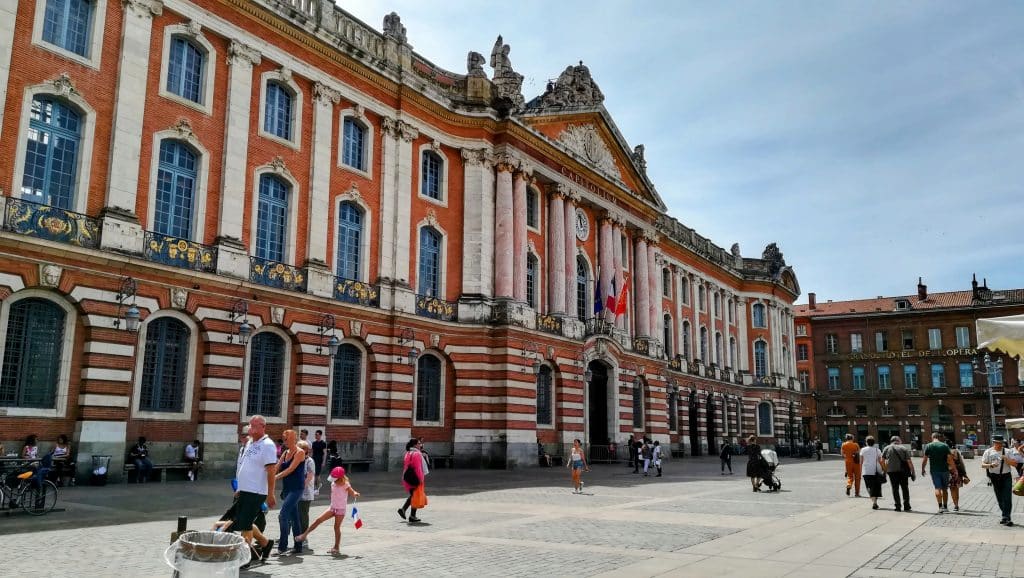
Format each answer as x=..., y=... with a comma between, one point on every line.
x=725, y=456
x=851, y=457
x=957, y=475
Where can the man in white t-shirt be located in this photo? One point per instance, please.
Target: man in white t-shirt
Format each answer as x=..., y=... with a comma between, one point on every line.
x=192, y=459
x=257, y=464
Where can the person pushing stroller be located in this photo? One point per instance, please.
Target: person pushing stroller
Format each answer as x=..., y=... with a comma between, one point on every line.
x=769, y=462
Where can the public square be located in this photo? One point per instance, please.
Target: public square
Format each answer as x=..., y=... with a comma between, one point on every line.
x=691, y=522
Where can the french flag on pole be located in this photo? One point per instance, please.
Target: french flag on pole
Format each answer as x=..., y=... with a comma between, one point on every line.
x=610, y=303
x=356, y=520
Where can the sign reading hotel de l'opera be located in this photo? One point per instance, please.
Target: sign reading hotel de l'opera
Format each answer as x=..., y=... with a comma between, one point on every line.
x=921, y=353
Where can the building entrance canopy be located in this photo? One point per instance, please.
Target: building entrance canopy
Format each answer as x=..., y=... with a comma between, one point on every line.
x=1004, y=334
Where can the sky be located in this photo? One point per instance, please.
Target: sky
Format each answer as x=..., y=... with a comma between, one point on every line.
x=875, y=142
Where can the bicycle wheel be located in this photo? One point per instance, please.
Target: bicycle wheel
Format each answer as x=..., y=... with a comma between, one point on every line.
x=38, y=500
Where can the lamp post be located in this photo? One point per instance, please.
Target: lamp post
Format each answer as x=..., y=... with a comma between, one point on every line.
x=240, y=318
x=532, y=351
x=328, y=323
x=408, y=339
x=131, y=315
x=991, y=367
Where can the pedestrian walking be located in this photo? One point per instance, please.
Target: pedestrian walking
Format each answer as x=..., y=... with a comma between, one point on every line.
x=941, y=464
x=630, y=452
x=646, y=454
x=851, y=458
x=257, y=465
x=319, y=455
x=998, y=462
x=578, y=463
x=817, y=448
x=725, y=457
x=638, y=450
x=899, y=467
x=957, y=475
x=308, y=488
x=412, y=476
x=656, y=457
x=291, y=472
x=872, y=470
x=341, y=489
x=755, y=463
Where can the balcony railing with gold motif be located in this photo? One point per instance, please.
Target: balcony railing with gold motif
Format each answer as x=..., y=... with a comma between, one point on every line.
x=276, y=274
x=51, y=223
x=352, y=291
x=549, y=324
x=435, y=308
x=177, y=252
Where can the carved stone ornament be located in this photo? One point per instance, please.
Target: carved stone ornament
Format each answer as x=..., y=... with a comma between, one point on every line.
x=184, y=129
x=393, y=28
x=573, y=88
x=398, y=128
x=179, y=297
x=532, y=247
x=193, y=28
x=508, y=83
x=277, y=315
x=285, y=73
x=584, y=140
x=435, y=340
x=773, y=256
x=551, y=352
x=638, y=158
x=475, y=65
x=352, y=194
x=355, y=327
x=146, y=8
x=360, y=111
x=477, y=157
x=49, y=275
x=278, y=165
x=63, y=86
x=326, y=94
x=240, y=53
x=432, y=219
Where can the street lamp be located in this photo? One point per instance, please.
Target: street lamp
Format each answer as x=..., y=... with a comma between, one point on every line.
x=131, y=315
x=327, y=323
x=991, y=367
x=408, y=338
x=240, y=318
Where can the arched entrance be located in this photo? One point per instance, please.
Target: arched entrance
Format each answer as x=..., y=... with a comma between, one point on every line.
x=694, y=416
x=598, y=419
x=942, y=421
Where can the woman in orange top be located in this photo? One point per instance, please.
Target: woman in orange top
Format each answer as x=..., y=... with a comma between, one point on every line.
x=851, y=454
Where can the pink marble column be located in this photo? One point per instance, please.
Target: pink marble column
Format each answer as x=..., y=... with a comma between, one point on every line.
x=606, y=257
x=643, y=295
x=570, y=254
x=556, y=251
x=503, y=235
x=654, y=302
x=519, y=235
x=620, y=321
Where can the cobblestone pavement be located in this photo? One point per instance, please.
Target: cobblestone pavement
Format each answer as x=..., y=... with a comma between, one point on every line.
x=528, y=523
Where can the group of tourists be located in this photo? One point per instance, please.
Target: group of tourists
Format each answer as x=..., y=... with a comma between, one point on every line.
x=644, y=453
x=942, y=462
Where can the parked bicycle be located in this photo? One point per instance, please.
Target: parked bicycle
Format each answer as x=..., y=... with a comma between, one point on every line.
x=30, y=490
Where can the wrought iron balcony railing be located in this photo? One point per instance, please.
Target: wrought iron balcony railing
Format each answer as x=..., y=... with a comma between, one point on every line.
x=352, y=291
x=177, y=252
x=435, y=308
x=275, y=274
x=51, y=223
x=549, y=324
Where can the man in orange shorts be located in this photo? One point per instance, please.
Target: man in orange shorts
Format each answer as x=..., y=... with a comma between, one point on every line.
x=851, y=455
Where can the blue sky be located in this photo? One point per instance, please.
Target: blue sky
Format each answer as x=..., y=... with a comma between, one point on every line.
x=874, y=141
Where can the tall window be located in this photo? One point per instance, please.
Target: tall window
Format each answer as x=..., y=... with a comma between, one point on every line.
x=858, y=377
x=704, y=345
x=881, y=341
x=673, y=411
x=430, y=182
x=805, y=380
x=353, y=153
x=684, y=288
x=765, y=427
x=757, y=315
x=346, y=382
x=686, y=340
x=856, y=342
x=350, y=240
x=666, y=283
x=732, y=351
x=544, y=379
x=277, y=114
x=938, y=375
x=186, y=66
x=934, y=339
x=883, y=377
x=963, y=337
x=833, y=378
x=638, y=406
x=760, y=359
x=702, y=298
x=966, y=375
x=910, y=376
x=531, y=280
x=532, y=208
x=51, y=154
x=266, y=375
x=801, y=352
x=428, y=388
x=32, y=354
x=430, y=262
x=718, y=304
x=719, y=350
x=995, y=379
x=582, y=280
x=68, y=24
x=272, y=218
x=729, y=309
x=666, y=335
x=907, y=336
x=831, y=343
x=165, y=366
x=175, y=190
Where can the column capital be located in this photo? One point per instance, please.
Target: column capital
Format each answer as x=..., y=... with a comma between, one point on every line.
x=524, y=171
x=145, y=8
x=399, y=129
x=241, y=53
x=557, y=190
x=573, y=196
x=325, y=94
x=477, y=157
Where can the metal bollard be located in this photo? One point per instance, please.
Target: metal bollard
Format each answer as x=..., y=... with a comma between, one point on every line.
x=182, y=528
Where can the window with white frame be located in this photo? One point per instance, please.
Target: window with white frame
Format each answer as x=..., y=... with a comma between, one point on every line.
x=350, y=240
x=272, y=217
x=33, y=354
x=686, y=340
x=765, y=420
x=355, y=145
x=545, y=380
x=431, y=175
x=757, y=315
x=938, y=375
x=266, y=375
x=684, y=288
x=963, y=337
x=429, y=283
x=666, y=336
x=910, y=376
x=760, y=359
x=666, y=283
x=185, y=70
x=702, y=298
x=428, y=389
x=732, y=351
x=347, y=383
x=966, y=375
x=833, y=379
x=532, y=267
x=52, y=153
x=883, y=377
x=881, y=341
x=858, y=377
x=582, y=283
x=532, y=208
x=856, y=342
x=177, y=177
x=704, y=345
x=718, y=304
x=71, y=28
x=801, y=352
x=934, y=339
x=831, y=343
x=801, y=330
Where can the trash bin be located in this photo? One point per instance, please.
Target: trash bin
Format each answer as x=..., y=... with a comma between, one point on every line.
x=100, y=469
x=207, y=554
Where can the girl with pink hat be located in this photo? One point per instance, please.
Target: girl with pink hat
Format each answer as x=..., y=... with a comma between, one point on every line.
x=341, y=489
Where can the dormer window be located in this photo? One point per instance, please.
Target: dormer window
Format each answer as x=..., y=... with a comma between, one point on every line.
x=902, y=304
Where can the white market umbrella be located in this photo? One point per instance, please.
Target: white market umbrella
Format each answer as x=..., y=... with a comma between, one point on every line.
x=1005, y=334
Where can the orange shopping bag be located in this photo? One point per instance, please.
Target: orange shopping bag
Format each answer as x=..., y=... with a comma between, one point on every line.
x=419, y=497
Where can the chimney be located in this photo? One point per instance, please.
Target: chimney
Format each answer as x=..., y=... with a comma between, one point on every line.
x=922, y=290
x=812, y=301
x=974, y=285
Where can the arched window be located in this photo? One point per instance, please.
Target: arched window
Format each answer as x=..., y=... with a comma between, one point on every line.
x=32, y=354
x=175, y=189
x=428, y=389
x=765, y=426
x=582, y=281
x=350, y=240
x=68, y=24
x=666, y=283
x=638, y=406
x=760, y=359
x=732, y=352
x=531, y=280
x=430, y=262
x=266, y=375
x=354, y=151
x=164, y=367
x=277, y=113
x=757, y=315
x=430, y=181
x=272, y=218
x=185, y=70
x=704, y=345
x=544, y=379
x=347, y=382
x=718, y=304
x=719, y=350
x=51, y=155
x=666, y=337
x=686, y=340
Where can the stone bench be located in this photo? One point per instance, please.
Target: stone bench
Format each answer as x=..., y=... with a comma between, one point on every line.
x=164, y=467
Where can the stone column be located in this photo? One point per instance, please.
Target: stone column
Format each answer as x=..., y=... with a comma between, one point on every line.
x=606, y=258
x=232, y=255
x=654, y=301
x=519, y=179
x=570, y=253
x=556, y=250
x=8, y=15
x=695, y=311
x=478, y=224
x=320, y=281
x=678, y=294
x=643, y=295
x=503, y=231
x=121, y=228
x=743, y=362
x=620, y=321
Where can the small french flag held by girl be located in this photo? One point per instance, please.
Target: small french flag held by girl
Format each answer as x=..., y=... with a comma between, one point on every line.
x=356, y=520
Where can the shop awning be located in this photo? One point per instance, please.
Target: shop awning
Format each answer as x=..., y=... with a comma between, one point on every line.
x=1003, y=334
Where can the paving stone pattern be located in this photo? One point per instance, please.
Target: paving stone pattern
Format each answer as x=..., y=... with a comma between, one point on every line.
x=952, y=558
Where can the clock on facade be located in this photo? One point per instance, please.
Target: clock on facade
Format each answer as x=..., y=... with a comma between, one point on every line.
x=582, y=225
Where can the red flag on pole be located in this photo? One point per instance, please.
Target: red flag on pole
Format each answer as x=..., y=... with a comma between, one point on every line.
x=620, y=306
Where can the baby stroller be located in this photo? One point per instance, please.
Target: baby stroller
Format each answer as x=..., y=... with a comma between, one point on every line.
x=770, y=462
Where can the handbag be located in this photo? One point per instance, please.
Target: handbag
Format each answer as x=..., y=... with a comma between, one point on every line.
x=419, y=498
x=409, y=477
x=1018, y=487
x=856, y=458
